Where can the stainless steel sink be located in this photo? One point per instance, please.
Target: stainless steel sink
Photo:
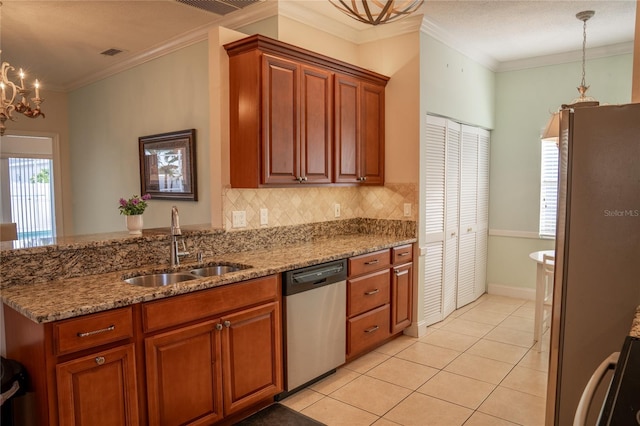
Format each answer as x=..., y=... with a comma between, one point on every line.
x=209, y=271
x=160, y=280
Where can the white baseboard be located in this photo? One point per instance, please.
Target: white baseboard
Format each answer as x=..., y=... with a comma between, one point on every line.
x=509, y=291
x=416, y=330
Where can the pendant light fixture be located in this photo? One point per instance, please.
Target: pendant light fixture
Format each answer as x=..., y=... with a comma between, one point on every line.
x=375, y=12
x=552, y=130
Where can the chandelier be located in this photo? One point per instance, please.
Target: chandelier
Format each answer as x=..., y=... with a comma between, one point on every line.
x=11, y=91
x=552, y=130
x=377, y=12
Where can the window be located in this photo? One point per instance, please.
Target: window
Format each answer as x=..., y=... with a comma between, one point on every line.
x=548, y=189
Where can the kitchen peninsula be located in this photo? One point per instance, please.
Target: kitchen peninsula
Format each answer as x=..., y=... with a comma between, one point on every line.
x=139, y=333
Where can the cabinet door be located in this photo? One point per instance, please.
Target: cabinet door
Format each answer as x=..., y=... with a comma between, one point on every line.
x=316, y=137
x=252, y=354
x=347, y=129
x=372, y=135
x=99, y=389
x=280, y=118
x=401, y=297
x=183, y=375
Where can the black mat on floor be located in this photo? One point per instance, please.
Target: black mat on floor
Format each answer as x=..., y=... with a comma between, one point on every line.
x=278, y=415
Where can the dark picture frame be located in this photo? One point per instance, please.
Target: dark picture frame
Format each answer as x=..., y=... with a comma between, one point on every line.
x=168, y=165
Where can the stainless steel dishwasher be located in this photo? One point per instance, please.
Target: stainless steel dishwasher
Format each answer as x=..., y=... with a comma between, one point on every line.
x=315, y=323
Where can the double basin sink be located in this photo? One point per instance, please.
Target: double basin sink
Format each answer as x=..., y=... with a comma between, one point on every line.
x=168, y=278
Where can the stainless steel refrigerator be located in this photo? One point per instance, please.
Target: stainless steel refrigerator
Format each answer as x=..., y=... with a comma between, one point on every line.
x=597, y=266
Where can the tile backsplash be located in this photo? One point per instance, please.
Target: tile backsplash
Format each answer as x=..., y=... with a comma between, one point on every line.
x=296, y=206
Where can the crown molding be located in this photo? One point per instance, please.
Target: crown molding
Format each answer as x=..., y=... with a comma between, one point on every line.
x=566, y=57
x=442, y=35
x=240, y=18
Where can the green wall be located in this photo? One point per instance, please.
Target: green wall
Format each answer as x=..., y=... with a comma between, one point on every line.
x=166, y=94
x=524, y=101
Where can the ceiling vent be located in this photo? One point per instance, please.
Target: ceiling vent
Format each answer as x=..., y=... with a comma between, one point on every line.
x=111, y=52
x=219, y=7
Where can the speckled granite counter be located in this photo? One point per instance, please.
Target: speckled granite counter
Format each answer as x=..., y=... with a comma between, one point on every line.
x=65, y=298
x=635, y=326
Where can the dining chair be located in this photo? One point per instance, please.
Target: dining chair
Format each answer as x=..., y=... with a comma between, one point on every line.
x=545, y=298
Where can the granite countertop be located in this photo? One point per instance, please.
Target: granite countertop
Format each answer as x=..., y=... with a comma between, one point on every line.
x=635, y=325
x=55, y=300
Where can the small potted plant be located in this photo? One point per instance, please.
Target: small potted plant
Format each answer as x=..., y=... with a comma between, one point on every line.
x=133, y=209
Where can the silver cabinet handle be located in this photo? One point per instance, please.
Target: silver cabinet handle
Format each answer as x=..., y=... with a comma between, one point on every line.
x=372, y=262
x=100, y=360
x=227, y=324
x=406, y=253
x=102, y=330
x=372, y=329
x=372, y=292
x=218, y=326
x=399, y=273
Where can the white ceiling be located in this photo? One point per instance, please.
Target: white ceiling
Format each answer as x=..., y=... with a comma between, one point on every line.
x=60, y=41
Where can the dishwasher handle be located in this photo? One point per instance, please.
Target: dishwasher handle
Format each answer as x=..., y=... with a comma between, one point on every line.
x=311, y=277
x=589, y=391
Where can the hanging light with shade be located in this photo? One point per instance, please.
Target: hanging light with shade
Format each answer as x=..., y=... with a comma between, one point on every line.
x=552, y=129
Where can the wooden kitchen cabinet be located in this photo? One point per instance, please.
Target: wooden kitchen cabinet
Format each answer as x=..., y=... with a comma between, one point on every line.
x=99, y=389
x=359, y=131
x=401, y=288
x=282, y=112
x=225, y=359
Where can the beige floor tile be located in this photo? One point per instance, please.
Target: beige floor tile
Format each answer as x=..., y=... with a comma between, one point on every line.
x=335, y=413
x=449, y=339
x=485, y=317
x=301, y=400
x=423, y=410
x=525, y=311
x=514, y=406
x=384, y=422
x=372, y=395
x=481, y=419
x=366, y=362
x=329, y=384
x=429, y=355
x=480, y=368
x=470, y=328
x=502, y=308
x=535, y=360
x=396, y=345
x=498, y=351
x=504, y=300
x=402, y=373
x=526, y=380
x=457, y=389
x=518, y=323
x=511, y=336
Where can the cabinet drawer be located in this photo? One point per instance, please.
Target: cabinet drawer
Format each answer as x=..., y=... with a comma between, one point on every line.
x=402, y=254
x=92, y=330
x=368, y=292
x=367, y=330
x=369, y=262
x=202, y=304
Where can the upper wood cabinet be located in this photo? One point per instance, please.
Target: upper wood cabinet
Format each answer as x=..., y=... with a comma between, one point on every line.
x=298, y=117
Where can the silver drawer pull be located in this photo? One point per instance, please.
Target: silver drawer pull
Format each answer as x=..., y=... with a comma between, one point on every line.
x=372, y=292
x=100, y=360
x=406, y=253
x=227, y=324
x=399, y=273
x=94, y=332
x=372, y=329
x=372, y=262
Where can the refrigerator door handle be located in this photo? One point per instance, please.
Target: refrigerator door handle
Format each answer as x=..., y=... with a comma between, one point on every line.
x=587, y=395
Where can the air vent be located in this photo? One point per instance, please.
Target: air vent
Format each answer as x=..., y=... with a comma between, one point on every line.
x=111, y=52
x=219, y=7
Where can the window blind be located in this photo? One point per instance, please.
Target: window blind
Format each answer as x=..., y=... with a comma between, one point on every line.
x=548, y=189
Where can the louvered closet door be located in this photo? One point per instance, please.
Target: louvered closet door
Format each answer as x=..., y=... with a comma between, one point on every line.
x=452, y=212
x=482, y=231
x=434, y=166
x=468, y=216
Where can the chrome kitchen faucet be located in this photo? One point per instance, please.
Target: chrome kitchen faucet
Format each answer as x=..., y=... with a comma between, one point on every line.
x=175, y=233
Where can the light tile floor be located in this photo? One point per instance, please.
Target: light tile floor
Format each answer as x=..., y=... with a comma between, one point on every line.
x=477, y=367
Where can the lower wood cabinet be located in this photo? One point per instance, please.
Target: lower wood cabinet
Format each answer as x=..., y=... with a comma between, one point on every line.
x=99, y=389
x=191, y=359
